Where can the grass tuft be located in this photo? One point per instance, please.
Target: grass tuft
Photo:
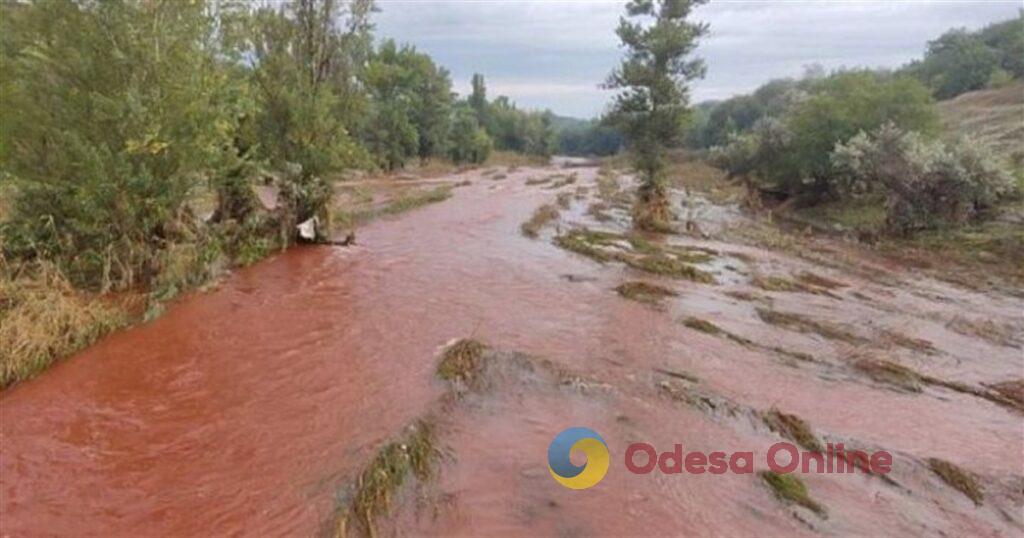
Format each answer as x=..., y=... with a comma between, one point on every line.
x=414, y=454
x=803, y=324
x=959, y=479
x=42, y=320
x=701, y=325
x=462, y=362
x=793, y=428
x=644, y=292
x=540, y=218
x=790, y=489
x=406, y=202
x=890, y=373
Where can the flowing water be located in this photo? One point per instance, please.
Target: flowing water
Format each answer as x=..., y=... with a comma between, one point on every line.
x=243, y=410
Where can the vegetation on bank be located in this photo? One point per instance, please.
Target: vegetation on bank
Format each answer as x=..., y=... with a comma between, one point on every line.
x=148, y=146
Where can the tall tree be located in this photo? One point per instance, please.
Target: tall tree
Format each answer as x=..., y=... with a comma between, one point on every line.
x=651, y=107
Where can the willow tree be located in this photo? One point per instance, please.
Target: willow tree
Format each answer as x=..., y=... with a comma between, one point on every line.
x=651, y=107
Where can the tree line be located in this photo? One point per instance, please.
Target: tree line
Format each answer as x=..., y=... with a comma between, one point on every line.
x=118, y=114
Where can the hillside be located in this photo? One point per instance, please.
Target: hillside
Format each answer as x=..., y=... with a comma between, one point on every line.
x=995, y=116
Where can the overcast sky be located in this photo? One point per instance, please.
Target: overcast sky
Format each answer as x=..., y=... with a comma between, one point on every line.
x=554, y=53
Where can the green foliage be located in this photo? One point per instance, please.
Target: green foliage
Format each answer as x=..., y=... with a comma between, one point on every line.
x=470, y=143
x=960, y=61
x=788, y=150
x=586, y=138
x=510, y=128
x=927, y=184
x=652, y=107
x=113, y=113
x=412, y=106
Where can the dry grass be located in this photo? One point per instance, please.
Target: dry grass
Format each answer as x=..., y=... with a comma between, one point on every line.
x=406, y=201
x=996, y=333
x=701, y=325
x=801, y=285
x=515, y=160
x=415, y=454
x=42, y=320
x=462, y=362
x=538, y=180
x=959, y=479
x=793, y=428
x=644, y=292
x=891, y=374
x=638, y=253
x=599, y=210
x=562, y=181
x=541, y=217
x=803, y=324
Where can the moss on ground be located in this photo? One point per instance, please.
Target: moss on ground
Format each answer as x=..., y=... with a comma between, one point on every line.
x=961, y=480
x=644, y=292
x=414, y=454
x=790, y=489
x=793, y=428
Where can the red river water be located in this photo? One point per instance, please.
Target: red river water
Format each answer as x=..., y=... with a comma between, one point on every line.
x=242, y=410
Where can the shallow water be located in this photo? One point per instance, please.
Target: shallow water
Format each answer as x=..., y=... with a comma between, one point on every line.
x=243, y=409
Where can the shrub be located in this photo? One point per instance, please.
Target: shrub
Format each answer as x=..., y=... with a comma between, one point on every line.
x=927, y=184
x=789, y=154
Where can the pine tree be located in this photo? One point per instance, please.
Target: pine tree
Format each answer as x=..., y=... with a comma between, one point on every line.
x=651, y=108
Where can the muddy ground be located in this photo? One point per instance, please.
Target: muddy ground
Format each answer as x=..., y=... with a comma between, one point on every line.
x=255, y=408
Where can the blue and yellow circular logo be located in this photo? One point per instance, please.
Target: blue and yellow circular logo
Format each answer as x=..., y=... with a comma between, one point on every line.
x=578, y=476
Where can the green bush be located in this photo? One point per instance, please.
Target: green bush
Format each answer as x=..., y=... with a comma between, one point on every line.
x=927, y=184
x=113, y=114
x=790, y=154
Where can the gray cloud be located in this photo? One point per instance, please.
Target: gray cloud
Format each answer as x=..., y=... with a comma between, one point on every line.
x=554, y=53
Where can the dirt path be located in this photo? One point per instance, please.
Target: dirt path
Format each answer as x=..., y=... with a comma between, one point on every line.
x=244, y=410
